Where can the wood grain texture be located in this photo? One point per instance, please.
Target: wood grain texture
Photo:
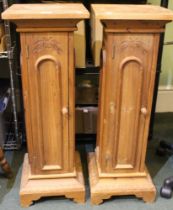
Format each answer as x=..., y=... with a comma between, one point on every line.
x=105, y=187
x=131, y=12
x=128, y=72
x=33, y=189
x=129, y=59
x=134, y=26
x=46, y=11
x=46, y=56
x=46, y=25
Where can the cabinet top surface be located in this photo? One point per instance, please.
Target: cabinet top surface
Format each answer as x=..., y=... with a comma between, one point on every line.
x=46, y=11
x=131, y=12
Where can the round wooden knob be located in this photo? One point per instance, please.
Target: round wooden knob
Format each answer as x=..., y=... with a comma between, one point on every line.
x=65, y=110
x=144, y=110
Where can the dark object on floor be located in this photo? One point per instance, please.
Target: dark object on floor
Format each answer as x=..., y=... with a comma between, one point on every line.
x=4, y=165
x=167, y=188
x=164, y=148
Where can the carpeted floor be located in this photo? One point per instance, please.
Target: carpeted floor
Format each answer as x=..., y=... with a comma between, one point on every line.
x=159, y=167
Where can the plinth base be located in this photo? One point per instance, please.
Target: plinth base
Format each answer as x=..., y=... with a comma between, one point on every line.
x=70, y=187
x=105, y=188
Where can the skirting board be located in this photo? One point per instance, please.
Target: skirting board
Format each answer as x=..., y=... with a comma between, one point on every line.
x=165, y=100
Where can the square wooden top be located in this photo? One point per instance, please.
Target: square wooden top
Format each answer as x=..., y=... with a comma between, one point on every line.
x=131, y=12
x=46, y=11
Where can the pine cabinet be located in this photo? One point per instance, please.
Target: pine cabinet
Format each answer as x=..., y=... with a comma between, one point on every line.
x=51, y=167
x=129, y=58
x=126, y=108
x=47, y=96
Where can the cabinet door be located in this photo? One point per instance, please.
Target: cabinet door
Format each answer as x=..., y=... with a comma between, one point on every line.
x=129, y=79
x=46, y=93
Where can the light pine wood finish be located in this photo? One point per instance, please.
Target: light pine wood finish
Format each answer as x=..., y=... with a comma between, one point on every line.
x=124, y=13
x=47, y=61
x=33, y=189
x=68, y=11
x=129, y=58
x=105, y=187
x=131, y=12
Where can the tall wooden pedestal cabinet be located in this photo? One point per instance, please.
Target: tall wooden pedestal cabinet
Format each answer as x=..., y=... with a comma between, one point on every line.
x=51, y=166
x=129, y=58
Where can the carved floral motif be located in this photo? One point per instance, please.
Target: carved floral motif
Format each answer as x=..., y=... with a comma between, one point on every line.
x=46, y=43
x=131, y=44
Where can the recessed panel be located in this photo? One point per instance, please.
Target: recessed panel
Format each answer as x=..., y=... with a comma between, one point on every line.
x=50, y=93
x=130, y=102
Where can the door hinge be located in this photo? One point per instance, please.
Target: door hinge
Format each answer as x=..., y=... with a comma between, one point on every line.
x=27, y=51
x=113, y=52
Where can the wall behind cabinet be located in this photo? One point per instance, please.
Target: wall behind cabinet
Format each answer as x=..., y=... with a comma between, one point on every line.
x=165, y=94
